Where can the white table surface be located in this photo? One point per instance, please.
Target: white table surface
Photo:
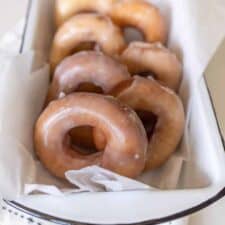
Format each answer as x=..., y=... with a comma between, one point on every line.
x=13, y=10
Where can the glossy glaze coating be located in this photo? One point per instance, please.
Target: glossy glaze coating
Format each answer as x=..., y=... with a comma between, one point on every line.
x=145, y=57
x=82, y=28
x=149, y=95
x=99, y=139
x=64, y=9
x=141, y=15
x=86, y=67
x=125, y=151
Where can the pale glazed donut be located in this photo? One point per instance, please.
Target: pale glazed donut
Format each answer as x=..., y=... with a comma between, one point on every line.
x=88, y=27
x=141, y=15
x=147, y=94
x=145, y=57
x=126, y=146
x=86, y=67
x=64, y=9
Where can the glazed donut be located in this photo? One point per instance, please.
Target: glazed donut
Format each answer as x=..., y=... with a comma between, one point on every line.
x=126, y=146
x=86, y=67
x=141, y=15
x=88, y=27
x=153, y=58
x=147, y=94
x=64, y=9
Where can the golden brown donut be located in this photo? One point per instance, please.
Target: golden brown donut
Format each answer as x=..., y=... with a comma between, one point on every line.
x=153, y=58
x=126, y=146
x=147, y=94
x=88, y=27
x=64, y=9
x=141, y=15
x=86, y=67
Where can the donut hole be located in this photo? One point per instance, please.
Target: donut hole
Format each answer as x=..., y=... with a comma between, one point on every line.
x=89, y=87
x=149, y=121
x=86, y=46
x=87, y=11
x=146, y=74
x=81, y=140
x=133, y=34
x=83, y=46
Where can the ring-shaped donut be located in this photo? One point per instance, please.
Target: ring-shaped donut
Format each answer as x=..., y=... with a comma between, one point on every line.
x=83, y=28
x=153, y=58
x=147, y=94
x=142, y=15
x=126, y=146
x=64, y=9
x=86, y=67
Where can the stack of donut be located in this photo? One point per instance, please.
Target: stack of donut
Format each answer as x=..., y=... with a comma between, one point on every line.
x=110, y=103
